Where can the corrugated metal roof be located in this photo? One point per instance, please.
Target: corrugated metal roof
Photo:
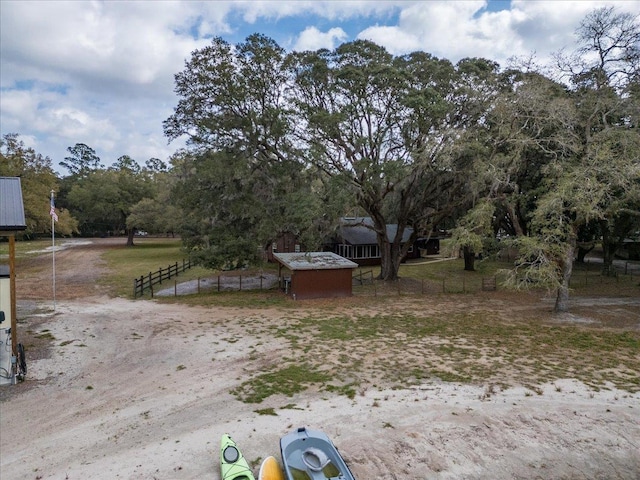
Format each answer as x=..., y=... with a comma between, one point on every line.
x=11, y=206
x=313, y=261
x=358, y=231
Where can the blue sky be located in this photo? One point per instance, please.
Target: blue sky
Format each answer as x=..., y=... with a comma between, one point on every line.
x=101, y=72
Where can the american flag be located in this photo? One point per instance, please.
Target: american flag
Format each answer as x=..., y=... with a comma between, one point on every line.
x=52, y=212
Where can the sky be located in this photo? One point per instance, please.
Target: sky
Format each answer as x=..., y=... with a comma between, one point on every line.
x=102, y=72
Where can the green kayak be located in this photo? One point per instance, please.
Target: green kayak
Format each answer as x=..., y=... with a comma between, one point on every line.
x=232, y=462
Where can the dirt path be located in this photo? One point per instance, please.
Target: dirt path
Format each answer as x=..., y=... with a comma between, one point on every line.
x=141, y=390
x=78, y=269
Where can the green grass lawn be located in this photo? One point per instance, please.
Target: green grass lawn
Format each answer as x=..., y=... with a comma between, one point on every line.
x=148, y=255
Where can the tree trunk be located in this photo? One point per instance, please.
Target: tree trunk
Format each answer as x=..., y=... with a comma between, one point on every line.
x=515, y=219
x=469, y=259
x=130, y=233
x=582, y=253
x=562, y=298
x=390, y=257
x=609, y=247
x=608, y=253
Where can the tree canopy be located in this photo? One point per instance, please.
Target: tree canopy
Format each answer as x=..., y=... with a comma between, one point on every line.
x=38, y=180
x=384, y=128
x=564, y=156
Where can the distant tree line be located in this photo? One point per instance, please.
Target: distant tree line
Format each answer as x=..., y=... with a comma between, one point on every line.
x=91, y=200
x=545, y=157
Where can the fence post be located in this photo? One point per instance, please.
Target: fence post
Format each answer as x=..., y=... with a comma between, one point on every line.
x=175, y=288
x=162, y=274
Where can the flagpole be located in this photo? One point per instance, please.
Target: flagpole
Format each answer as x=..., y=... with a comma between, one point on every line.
x=53, y=249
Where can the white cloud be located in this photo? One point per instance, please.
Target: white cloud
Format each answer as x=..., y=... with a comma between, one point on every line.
x=98, y=42
x=460, y=29
x=313, y=39
x=394, y=39
x=14, y=102
x=104, y=64
x=102, y=72
x=254, y=10
x=451, y=30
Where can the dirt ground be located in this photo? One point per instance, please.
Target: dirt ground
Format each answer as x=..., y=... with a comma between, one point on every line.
x=141, y=390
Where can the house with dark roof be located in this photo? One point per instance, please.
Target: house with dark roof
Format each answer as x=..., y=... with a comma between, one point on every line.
x=356, y=240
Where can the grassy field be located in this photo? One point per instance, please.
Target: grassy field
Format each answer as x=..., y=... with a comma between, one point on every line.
x=424, y=276
x=148, y=255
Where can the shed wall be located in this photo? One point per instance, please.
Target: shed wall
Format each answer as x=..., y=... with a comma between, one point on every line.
x=285, y=243
x=321, y=283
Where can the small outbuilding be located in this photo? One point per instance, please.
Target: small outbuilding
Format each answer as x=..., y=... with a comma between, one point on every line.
x=315, y=274
x=12, y=220
x=285, y=242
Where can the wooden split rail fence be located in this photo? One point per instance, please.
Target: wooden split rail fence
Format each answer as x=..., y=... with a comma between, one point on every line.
x=146, y=282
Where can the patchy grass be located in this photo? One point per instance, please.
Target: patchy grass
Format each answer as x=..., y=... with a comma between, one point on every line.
x=246, y=299
x=346, y=354
x=289, y=380
x=27, y=248
x=266, y=411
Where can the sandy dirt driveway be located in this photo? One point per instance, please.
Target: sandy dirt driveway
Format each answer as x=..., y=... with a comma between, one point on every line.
x=142, y=390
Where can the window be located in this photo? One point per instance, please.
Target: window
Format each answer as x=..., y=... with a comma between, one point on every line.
x=358, y=251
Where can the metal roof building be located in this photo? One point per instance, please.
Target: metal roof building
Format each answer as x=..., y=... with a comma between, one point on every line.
x=11, y=206
x=316, y=274
x=11, y=220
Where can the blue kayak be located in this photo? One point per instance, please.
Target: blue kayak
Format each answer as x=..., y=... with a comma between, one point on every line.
x=310, y=455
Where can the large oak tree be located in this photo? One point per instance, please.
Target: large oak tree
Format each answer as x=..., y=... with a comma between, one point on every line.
x=268, y=129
